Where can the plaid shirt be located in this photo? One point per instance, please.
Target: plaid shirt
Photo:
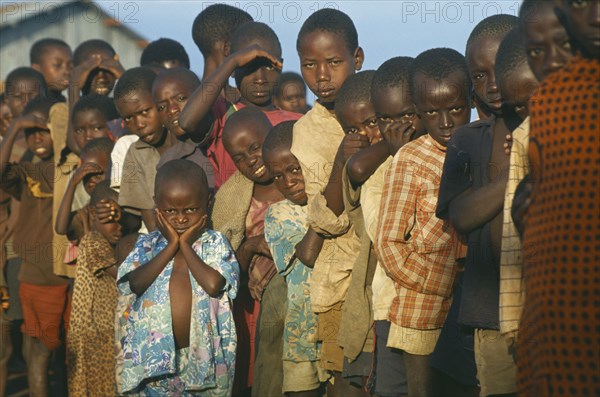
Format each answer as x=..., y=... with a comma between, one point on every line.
x=416, y=249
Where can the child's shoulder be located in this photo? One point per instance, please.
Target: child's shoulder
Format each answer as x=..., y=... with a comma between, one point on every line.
x=213, y=237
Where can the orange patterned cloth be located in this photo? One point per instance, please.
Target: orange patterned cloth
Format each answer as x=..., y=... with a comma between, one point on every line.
x=559, y=335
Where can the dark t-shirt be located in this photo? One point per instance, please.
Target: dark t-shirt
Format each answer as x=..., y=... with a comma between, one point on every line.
x=32, y=184
x=467, y=166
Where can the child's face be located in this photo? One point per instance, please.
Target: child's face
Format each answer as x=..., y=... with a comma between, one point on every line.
x=170, y=96
x=442, y=106
x=139, y=113
x=257, y=79
x=245, y=148
x=547, y=42
x=112, y=231
x=182, y=204
x=359, y=118
x=55, y=65
x=21, y=93
x=89, y=124
x=394, y=105
x=293, y=97
x=326, y=62
x=286, y=172
x=480, y=61
x=583, y=18
x=517, y=87
x=100, y=160
x=100, y=81
x=39, y=141
x=5, y=118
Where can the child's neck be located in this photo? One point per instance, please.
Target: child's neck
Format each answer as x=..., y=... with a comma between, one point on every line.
x=264, y=107
x=266, y=192
x=166, y=142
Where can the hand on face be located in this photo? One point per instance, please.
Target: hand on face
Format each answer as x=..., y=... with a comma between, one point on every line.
x=86, y=169
x=351, y=144
x=249, y=54
x=108, y=211
x=81, y=72
x=398, y=134
x=166, y=228
x=193, y=232
x=30, y=121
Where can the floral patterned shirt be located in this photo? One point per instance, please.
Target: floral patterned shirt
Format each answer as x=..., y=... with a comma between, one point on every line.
x=285, y=226
x=147, y=339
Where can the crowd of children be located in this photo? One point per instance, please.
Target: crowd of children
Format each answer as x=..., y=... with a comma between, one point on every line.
x=186, y=237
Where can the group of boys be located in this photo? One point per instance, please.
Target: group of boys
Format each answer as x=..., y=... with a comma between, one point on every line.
x=364, y=246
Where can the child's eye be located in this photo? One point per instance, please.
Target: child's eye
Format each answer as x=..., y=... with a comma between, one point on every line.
x=169, y=211
x=276, y=177
x=579, y=3
x=181, y=98
x=431, y=112
x=385, y=119
x=270, y=67
x=308, y=65
x=297, y=170
x=478, y=76
x=567, y=44
x=372, y=123
x=535, y=52
x=456, y=110
x=127, y=119
x=335, y=62
x=161, y=108
x=79, y=131
x=191, y=210
x=254, y=147
x=352, y=131
x=408, y=116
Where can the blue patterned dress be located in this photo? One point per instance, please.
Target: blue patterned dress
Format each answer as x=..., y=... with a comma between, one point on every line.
x=150, y=363
x=285, y=226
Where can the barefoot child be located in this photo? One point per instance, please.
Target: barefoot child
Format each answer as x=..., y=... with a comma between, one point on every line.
x=180, y=336
x=90, y=355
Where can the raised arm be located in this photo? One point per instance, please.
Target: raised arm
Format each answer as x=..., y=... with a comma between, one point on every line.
x=363, y=164
x=309, y=248
x=16, y=125
x=196, y=118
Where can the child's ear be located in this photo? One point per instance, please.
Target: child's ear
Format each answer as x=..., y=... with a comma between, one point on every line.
x=359, y=58
x=225, y=48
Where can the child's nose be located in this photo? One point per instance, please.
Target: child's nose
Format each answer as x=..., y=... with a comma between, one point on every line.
x=323, y=72
x=260, y=75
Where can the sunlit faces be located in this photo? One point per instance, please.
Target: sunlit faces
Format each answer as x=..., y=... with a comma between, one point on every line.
x=55, y=65
x=139, y=113
x=583, y=18
x=359, y=118
x=257, y=80
x=443, y=106
x=394, y=105
x=38, y=140
x=326, y=62
x=99, y=159
x=287, y=175
x=292, y=97
x=89, y=124
x=546, y=40
x=20, y=93
x=182, y=204
x=100, y=81
x=481, y=58
x=245, y=148
x=170, y=96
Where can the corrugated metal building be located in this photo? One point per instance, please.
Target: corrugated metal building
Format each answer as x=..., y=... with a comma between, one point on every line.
x=75, y=21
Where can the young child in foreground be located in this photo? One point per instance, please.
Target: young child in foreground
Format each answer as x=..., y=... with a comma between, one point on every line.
x=90, y=352
x=286, y=223
x=179, y=335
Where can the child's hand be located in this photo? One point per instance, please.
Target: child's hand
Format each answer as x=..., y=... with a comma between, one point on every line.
x=165, y=228
x=86, y=169
x=398, y=134
x=189, y=236
x=351, y=144
x=113, y=65
x=259, y=246
x=108, y=211
x=29, y=121
x=249, y=54
x=4, y=297
x=81, y=72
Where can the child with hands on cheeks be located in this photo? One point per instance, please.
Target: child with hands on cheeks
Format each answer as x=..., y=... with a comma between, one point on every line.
x=179, y=334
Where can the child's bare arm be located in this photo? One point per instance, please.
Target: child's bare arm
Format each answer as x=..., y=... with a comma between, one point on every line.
x=208, y=278
x=196, y=118
x=65, y=216
x=256, y=245
x=142, y=277
x=16, y=125
x=333, y=193
x=308, y=249
x=149, y=218
x=363, y=164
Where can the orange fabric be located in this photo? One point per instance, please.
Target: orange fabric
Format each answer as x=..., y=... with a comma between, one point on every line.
x=45, y=307
x=559, y=339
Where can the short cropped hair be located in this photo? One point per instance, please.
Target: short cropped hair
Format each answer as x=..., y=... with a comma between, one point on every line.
x=40, y=104
x=285, y=78
x=26, y=73
x=437, y=64
x=184, y=171
x=85, y=49
x=253, y=31
x=356, y=89
x=101, y=103
x=392, y=73
x=98, y=145
x=510, y=55
x=496, y=25
x=280, y=137
x=103, y=191
x=165, y=49
x=133, y=80
x=215, y=24
x=41, y=46
x=332, y=21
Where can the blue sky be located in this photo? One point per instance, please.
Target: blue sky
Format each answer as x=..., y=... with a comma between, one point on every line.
x=385, y=28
